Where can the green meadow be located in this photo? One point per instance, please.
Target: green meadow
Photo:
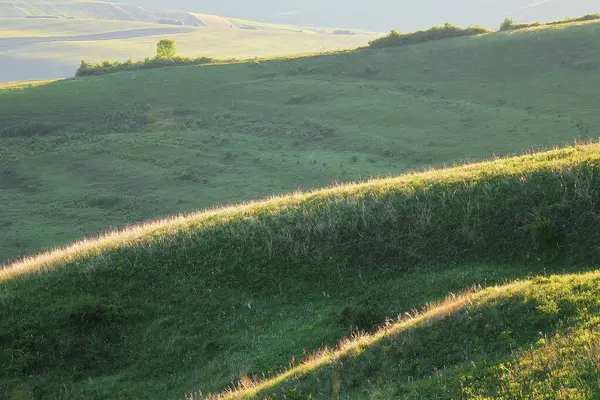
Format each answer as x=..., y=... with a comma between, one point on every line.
x=450, y=254
x=239, y=297
x=84, y=155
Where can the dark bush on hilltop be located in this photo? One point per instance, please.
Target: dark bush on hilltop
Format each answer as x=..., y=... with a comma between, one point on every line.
x=169, y=21
x=445, y=31
x=343, y=32
x=107, y=67
x=509, y=25
x=362, y=317
x=31, y=128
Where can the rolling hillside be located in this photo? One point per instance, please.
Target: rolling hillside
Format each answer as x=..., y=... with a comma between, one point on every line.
x=82, y=155
x=193, y=304
x=498, y=343
x=447, y=277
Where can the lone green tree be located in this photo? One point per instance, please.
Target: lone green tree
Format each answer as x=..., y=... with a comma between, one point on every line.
x=507, y=25
x=166, y=48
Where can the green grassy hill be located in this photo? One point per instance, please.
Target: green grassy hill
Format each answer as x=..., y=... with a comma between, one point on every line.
x=535, y=339
x=79, y=156
x=196, y=303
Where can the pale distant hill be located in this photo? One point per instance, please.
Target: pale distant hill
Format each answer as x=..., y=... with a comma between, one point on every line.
x=375, y=15
x=45, y=40
x=382, y=15
x=74, y=9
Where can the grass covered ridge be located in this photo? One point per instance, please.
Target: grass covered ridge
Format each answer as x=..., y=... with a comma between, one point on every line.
x=544, y=199
x=202, y=301
x=94, y=154
x=536, y=339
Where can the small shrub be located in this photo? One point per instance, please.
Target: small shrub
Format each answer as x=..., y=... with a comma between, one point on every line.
x=83, y=67
x=369, y=70
x=169, y=21
x=314, y=129
x=360, y=317
x=104, y=201
x=296, y=99
x=543, y=232
x=507, y=24
x=189, y=174
x=343, y=32
x=212, y=349
x=91, y=313
x=585, y=65
x=28, y=129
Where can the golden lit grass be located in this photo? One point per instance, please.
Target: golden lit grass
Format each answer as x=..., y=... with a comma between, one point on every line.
x=24, y=84
x=560, y=350
x=547, y=27
x=360, y=342
x=554, y=160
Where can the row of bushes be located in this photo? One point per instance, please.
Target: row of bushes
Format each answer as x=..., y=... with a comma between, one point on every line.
x=393, y=39
x=445, y=31
x=509, y=24
x=107, y=67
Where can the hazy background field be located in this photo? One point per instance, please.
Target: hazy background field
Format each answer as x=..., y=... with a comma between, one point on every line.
x=62, y=33
x=49, y=48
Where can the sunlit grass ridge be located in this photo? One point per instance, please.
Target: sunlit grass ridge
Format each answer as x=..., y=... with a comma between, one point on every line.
x=336, y=210
x=198, y=301
x=552, y=353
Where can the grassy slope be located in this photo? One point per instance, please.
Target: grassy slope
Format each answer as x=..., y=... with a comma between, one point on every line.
x=536, y=339
x=176, y=306
x=149, y=144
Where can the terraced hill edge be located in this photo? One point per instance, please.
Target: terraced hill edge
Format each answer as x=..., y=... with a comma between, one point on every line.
x=536, y=338
x=524, y=208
